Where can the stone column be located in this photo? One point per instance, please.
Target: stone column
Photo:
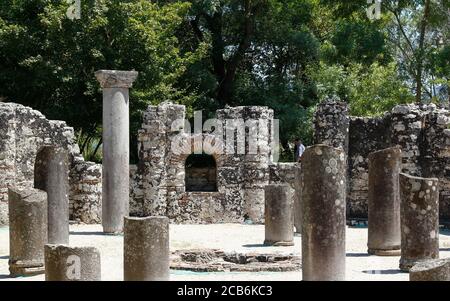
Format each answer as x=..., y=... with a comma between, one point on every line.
x=431, y=270
x=116, y=145
x=279, y=215
x=52, y=176
x=384, y=202
x=27, y=231
x=64, y=263
x=323, y=205
x=146, y=248
x=419, y=214
x=297, y=198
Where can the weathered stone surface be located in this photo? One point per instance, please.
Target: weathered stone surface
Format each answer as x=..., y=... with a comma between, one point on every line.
x=51, y=174
x=419, y=130
x=64, y=263
x=23, y=132
x=158, y=185
x=323, y=205
x=298, y=213
x=27, y=231
x=116, y=78
x=116, y=147
x=384, y=202
x=419, y=220
x=431, y=270
x=331, y=124
x=213, y=260
x=289, y=173
x=86, y=192
x=279, y=215
x=366, y=136
x=146, y=249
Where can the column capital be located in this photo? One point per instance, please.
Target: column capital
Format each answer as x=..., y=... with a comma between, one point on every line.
x=116, y=78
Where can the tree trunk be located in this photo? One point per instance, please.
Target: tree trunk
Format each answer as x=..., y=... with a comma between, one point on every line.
x=420, y=54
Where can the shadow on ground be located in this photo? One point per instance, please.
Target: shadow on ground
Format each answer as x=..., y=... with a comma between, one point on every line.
x=383, y=272
x=93, y=233
x=255, y=246
x=357, y=255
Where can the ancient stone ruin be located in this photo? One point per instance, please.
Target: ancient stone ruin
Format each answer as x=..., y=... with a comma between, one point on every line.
x=421, y=131
x=24, y=134
x=394, y=169
x=228, y=187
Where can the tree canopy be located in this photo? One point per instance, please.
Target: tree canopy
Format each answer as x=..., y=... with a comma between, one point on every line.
x=206, y=54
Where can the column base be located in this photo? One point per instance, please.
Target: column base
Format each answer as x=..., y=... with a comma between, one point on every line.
x=278, y=243
x=21, y=268
x=107, y=230
x=407, y=264
x=380, y=252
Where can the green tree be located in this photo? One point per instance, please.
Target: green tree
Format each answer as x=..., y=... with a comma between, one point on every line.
x=48, y=61
x=369, y=91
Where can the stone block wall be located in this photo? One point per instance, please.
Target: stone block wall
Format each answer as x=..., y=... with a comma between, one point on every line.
x=158, y=184
x=23, y=133
x=422, y=132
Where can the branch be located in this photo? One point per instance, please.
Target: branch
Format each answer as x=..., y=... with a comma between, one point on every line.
x=399, y=22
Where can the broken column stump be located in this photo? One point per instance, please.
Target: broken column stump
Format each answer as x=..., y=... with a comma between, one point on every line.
x=51, y=174
x=146, y=248
x=27, y=231
x=297, y=198
x=64, y=263
x=419, y=210
x=323, y=206
x=384, y=236
x=279, y=215
x=431, y=270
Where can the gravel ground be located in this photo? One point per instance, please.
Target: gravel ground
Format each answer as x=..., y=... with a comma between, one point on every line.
x=227, y=237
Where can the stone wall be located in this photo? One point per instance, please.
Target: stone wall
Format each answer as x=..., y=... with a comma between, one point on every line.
x=23, y=132
x=422, y=131
x=158, y=184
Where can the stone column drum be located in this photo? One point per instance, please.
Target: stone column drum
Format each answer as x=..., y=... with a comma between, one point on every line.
x=27, y=231
x=146, y=248
x=52, y=176
x=431, y=270
x=279, y=215
x=64, y=263
x=323, y=205
x=116, y=147
x=297, y=198
x=419, y=210
x=384, y=202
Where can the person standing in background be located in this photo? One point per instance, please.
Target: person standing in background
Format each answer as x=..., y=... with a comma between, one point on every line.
x=299, y=149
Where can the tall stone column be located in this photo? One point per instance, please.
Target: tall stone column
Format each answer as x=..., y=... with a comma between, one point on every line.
x=146, y=248
x=64, y=263
x=27, y=231
x=116, y=147
x=384, y=202
x=52, y=176
x=419, y=214
x=279, y=215
x=323, y=205
x=431, y=270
